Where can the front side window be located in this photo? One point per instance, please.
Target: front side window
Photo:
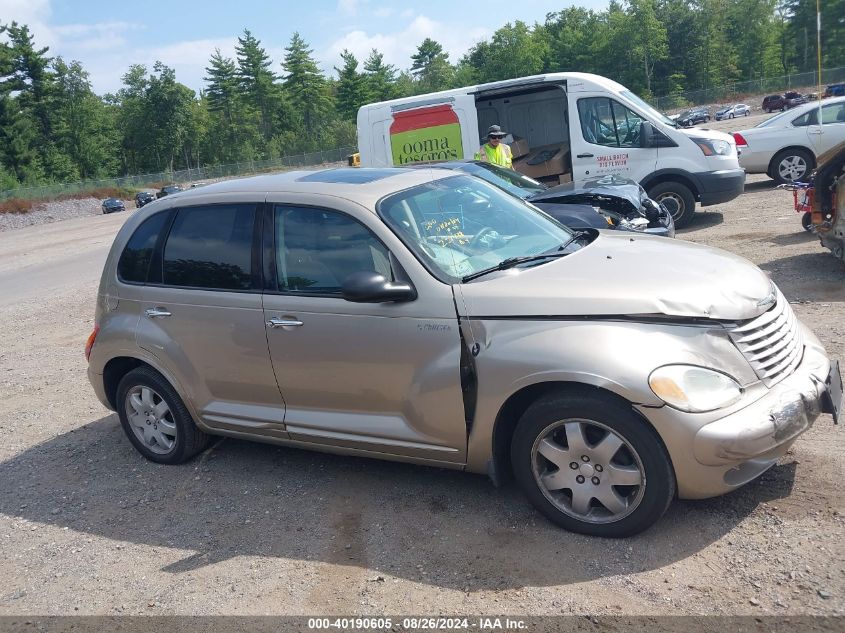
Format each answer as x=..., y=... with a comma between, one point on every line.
x=317, y=249
x=135, y=260
x=460, y=225
x=607, y=122
x=211, y=247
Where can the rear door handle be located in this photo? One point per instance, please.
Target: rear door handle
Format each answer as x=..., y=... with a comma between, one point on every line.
x=154, y=313
x=274, y=323
x=584, y=156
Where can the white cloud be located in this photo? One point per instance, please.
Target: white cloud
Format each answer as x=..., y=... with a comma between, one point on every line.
x=384, y=12
x=398, y=46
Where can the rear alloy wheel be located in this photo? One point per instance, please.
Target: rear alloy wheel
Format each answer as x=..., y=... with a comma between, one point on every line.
x=155, y=419
x=677, y=199
x=792, y=165
x=591, y=466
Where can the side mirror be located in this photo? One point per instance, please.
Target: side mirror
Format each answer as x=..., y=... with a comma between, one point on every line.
x=646, y=134
x=369, y=286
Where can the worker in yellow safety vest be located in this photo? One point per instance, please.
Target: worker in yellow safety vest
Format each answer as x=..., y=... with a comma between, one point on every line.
x=494, y=151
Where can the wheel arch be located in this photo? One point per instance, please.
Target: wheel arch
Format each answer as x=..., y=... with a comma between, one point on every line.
x=515, y=406
x=119, y=366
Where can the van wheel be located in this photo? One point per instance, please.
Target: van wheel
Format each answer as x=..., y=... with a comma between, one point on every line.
x=591, y=466
x=791, y=164
x=677, y=198
x=155, y=419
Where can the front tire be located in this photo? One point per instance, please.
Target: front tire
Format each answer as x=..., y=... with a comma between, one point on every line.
x=155, y=419
x=590, y=465
x=677, y=198
x=791, y=165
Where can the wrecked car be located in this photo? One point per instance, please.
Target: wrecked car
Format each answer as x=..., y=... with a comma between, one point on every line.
x=428, y=316
x=601, y=202
x=827, y=212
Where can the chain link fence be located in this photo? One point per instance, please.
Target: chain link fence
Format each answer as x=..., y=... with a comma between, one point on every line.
x=214, y=172
x=803, y=82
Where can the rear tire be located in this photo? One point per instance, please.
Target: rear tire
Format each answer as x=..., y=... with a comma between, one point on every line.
x=791, y=165
x=677, y=198
x=155, y=419
x=590, y=465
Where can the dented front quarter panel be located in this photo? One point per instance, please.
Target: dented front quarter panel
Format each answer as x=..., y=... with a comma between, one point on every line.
x=615, y=355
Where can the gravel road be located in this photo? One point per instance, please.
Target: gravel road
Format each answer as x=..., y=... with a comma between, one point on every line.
x=89, y=527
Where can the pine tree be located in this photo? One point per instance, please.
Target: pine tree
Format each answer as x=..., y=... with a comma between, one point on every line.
x=380, y=78
x=306, y=86
x=257, y=81
x=431, y=66
x=351, y=90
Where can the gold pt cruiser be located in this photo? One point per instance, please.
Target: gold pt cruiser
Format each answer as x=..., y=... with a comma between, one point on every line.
x=427, y=316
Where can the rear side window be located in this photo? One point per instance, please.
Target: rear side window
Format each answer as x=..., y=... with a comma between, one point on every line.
x=211, y=247
x=135, y=260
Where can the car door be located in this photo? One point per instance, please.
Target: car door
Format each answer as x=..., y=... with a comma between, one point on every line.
x=831, y=132
x=376, y=377
x=202, y=317
x=606, y=140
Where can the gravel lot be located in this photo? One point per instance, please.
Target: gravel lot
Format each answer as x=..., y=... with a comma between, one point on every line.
x=87, y=526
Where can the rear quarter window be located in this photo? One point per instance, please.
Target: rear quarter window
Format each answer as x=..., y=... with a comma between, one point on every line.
x=134, y=262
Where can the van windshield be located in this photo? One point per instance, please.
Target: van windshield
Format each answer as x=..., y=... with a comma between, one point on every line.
x=648, y=109
x=461, y=225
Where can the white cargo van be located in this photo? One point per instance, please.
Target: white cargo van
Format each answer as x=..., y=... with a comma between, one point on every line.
x=576, y=125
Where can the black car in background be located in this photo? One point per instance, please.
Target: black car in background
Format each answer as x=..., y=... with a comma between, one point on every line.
x=602, y=202
x=143, y=197
x=690, y=117
x=167, y=190
x=110, y=205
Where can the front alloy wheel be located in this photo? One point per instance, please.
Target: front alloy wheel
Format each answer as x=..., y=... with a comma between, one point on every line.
x=591, y=465
x=588, y=471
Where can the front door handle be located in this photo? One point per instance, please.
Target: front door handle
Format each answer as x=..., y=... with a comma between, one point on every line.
x=584, y=156
x=274, y=323
x=154, y=313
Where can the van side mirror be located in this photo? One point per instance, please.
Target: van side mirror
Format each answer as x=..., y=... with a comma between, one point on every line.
x=368, y=286
x=646, y=134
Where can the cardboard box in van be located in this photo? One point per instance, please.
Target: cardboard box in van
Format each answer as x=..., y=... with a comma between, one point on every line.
x=548, y=160
x=519, y=146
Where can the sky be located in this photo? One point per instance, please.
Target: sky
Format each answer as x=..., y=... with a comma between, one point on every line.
x=108, y=36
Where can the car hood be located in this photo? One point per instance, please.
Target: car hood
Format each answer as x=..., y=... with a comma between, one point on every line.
x=703, y=132
x=621, y=193
x=623, y=275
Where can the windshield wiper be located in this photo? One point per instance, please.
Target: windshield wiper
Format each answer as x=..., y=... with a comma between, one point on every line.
x=510, y=262
x=577, y=235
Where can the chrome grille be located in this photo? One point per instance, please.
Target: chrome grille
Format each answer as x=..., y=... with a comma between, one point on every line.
x=771, y=343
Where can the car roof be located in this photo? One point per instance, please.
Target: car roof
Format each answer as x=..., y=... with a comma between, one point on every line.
x=360, y=184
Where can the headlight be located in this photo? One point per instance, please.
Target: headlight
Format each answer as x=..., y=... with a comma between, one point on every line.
x=694, y=389
x=712, y=147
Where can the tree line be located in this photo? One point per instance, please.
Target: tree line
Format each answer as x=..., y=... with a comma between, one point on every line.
x=54, y=128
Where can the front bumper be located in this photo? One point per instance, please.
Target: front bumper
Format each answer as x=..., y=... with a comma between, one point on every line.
x=715, y=187
x=715, y=455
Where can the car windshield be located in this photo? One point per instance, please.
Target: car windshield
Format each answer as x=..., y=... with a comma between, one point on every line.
x=648, y=109
x=508, y=179
x=461, y=225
